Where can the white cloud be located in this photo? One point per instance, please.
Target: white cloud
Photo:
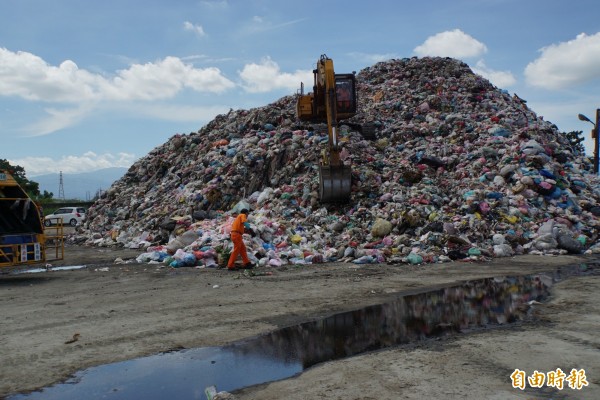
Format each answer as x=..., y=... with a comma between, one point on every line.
x=179, y=113
x=566, y=64
x=266, y=76
x=201, y=58
x=87, y=162
x=164, y=79
x=501, y=79
x=260, y=25
x=215, y=4
x=373, y=58
x=197, y=29
x=57, y=119
x=195, y=57
x=455, y=44
x=28, y=76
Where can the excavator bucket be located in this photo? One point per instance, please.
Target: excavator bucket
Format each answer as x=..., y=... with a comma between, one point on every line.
x=335, y=183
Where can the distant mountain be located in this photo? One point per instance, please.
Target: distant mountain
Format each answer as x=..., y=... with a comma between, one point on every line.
x=81, y=186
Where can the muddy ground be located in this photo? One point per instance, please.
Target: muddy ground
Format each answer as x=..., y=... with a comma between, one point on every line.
x=123, y=311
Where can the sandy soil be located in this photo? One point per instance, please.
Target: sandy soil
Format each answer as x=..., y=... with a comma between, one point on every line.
x=122, y=311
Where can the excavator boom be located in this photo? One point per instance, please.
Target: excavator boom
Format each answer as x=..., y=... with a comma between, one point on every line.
x=333, y=99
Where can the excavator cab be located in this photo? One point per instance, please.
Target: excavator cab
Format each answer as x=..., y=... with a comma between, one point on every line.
x=333, y=99
x=311, y=107
x=345, y=89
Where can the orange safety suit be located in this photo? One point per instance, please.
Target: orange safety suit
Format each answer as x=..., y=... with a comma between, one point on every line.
x=343, y=98
x=239, y=248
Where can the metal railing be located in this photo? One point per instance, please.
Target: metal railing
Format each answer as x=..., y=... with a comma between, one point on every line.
x=29, y=251
x=55, y=240
x=33, y=248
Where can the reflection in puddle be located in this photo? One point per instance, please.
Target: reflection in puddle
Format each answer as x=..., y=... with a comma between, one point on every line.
x=286, y=352
x=404, y=320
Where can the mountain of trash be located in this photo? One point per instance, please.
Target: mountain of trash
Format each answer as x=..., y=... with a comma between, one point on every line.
x=458, y=169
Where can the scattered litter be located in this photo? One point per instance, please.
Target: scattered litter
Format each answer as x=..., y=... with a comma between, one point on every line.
x=74, y=338
x=211, y=394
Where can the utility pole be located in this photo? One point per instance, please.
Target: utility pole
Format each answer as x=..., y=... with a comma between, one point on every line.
x=61, y=188
x=594, y=136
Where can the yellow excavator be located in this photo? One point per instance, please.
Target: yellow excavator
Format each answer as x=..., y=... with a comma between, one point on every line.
x=333, y=99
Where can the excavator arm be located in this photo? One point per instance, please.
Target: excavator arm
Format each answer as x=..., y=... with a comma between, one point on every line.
x=333, y=99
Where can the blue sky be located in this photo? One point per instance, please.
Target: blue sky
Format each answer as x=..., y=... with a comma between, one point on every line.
x=88, y=84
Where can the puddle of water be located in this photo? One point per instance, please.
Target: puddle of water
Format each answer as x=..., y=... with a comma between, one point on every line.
x=178, y=375
x=288, y=351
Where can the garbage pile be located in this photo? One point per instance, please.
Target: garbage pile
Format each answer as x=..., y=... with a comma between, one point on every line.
x=458, y=170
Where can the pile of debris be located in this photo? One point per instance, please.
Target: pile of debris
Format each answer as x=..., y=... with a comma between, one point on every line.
x=459, y=169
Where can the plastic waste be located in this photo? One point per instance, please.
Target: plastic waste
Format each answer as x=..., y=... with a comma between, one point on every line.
x=474, y=251
x=454, y=159
x=381, y=228
x=413, y=258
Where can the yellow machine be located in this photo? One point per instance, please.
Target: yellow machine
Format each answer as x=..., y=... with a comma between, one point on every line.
x=332, y=100
x=22, y=236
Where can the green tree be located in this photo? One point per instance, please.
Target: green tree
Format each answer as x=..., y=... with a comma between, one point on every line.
x=32, y=188
x=575, y=139
x=47, y=195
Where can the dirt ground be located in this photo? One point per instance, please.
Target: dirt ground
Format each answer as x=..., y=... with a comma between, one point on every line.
x=123, y=311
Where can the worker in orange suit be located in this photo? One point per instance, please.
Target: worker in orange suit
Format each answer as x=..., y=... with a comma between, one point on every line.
x=239, y=248
x=343, y=97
